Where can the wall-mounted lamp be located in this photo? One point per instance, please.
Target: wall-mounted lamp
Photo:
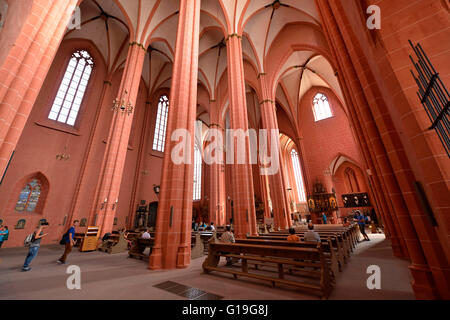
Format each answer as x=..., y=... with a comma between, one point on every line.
x=157, y=189
x=63, y=156
x=122, y=106
x=104, y=204
x=115, y=204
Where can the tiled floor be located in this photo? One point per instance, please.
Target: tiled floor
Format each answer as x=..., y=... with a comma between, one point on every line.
x=105, y=276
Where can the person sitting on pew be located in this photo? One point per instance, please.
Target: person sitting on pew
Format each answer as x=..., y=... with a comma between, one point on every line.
x=201, y=226
x=228, y=237
x=292, y=236
x=146, y=235
x=125, y=236
x=211, y=227
x=311, y=235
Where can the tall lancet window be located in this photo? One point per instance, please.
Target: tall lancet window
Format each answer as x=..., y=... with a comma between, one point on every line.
x=197, y=194
x=159, y=139
x=298, y=176
x=72, y=88
x=322, y=109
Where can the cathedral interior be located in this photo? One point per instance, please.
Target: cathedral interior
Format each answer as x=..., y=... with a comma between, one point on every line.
x=284, y=114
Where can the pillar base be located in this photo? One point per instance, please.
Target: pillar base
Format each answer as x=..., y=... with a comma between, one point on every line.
x=155, y=260
x=423, y=283
x=398, y=250
x=183, y=257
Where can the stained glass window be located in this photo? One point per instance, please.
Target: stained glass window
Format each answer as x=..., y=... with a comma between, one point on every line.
x=159, y=139
x=29, y=197
x=72, y=88
x=322, y=109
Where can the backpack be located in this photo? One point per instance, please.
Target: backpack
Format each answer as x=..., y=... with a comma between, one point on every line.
x=28, y=240
x=63, y=239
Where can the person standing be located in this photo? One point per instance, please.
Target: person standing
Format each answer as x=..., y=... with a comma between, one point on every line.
x=362, y=224
x=69, y=242
x=324, y=218
x=4, y=233
x=34, y=246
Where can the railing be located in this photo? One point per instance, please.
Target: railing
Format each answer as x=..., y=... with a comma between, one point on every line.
x=433, y=95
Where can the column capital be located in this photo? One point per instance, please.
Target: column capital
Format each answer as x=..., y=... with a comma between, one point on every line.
x=267, y=101
x=134, y=43
x=261, y=74
x=233, y=35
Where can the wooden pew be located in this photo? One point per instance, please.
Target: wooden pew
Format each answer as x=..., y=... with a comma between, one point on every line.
x=138, y=247
x=352, y=231
x=327, y=248
x=197, y=246
x=116, y=243
x=281, y=257
x=343, y=238
x=337, y=244
x=339, y=240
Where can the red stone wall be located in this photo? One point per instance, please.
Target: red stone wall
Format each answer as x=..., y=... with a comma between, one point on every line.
x=325, y=140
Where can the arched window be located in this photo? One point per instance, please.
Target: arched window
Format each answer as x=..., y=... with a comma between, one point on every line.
x=197, y=194
x=298, y=176
x=72, y=88
x=351, y=180
x=29, y=196
x=322, y=109
x=159, y=139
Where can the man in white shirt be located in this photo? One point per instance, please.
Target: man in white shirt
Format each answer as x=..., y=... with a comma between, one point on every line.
x=311, y=235
x=146, y=235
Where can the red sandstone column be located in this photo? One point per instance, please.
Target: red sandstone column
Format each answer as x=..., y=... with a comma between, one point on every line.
x=243, y=193
x=26, y=67
x=280, y=201
x=217, y=182
x=265, y=193
x=117, y=143
x=173, y=226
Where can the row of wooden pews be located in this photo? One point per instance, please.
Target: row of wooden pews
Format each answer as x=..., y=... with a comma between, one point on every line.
x=199, y=244
x=309, y=266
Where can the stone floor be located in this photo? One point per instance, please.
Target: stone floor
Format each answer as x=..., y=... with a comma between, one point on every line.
x=105, y=276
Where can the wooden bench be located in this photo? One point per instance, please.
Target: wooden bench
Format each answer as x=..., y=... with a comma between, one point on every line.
x=335, y=241
x=281, y=257
x=342, y=243
x=138, y=247
x=115, y=243
x=352, y=231
x=327, y=248
x=343, y=238
x=197, y=246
